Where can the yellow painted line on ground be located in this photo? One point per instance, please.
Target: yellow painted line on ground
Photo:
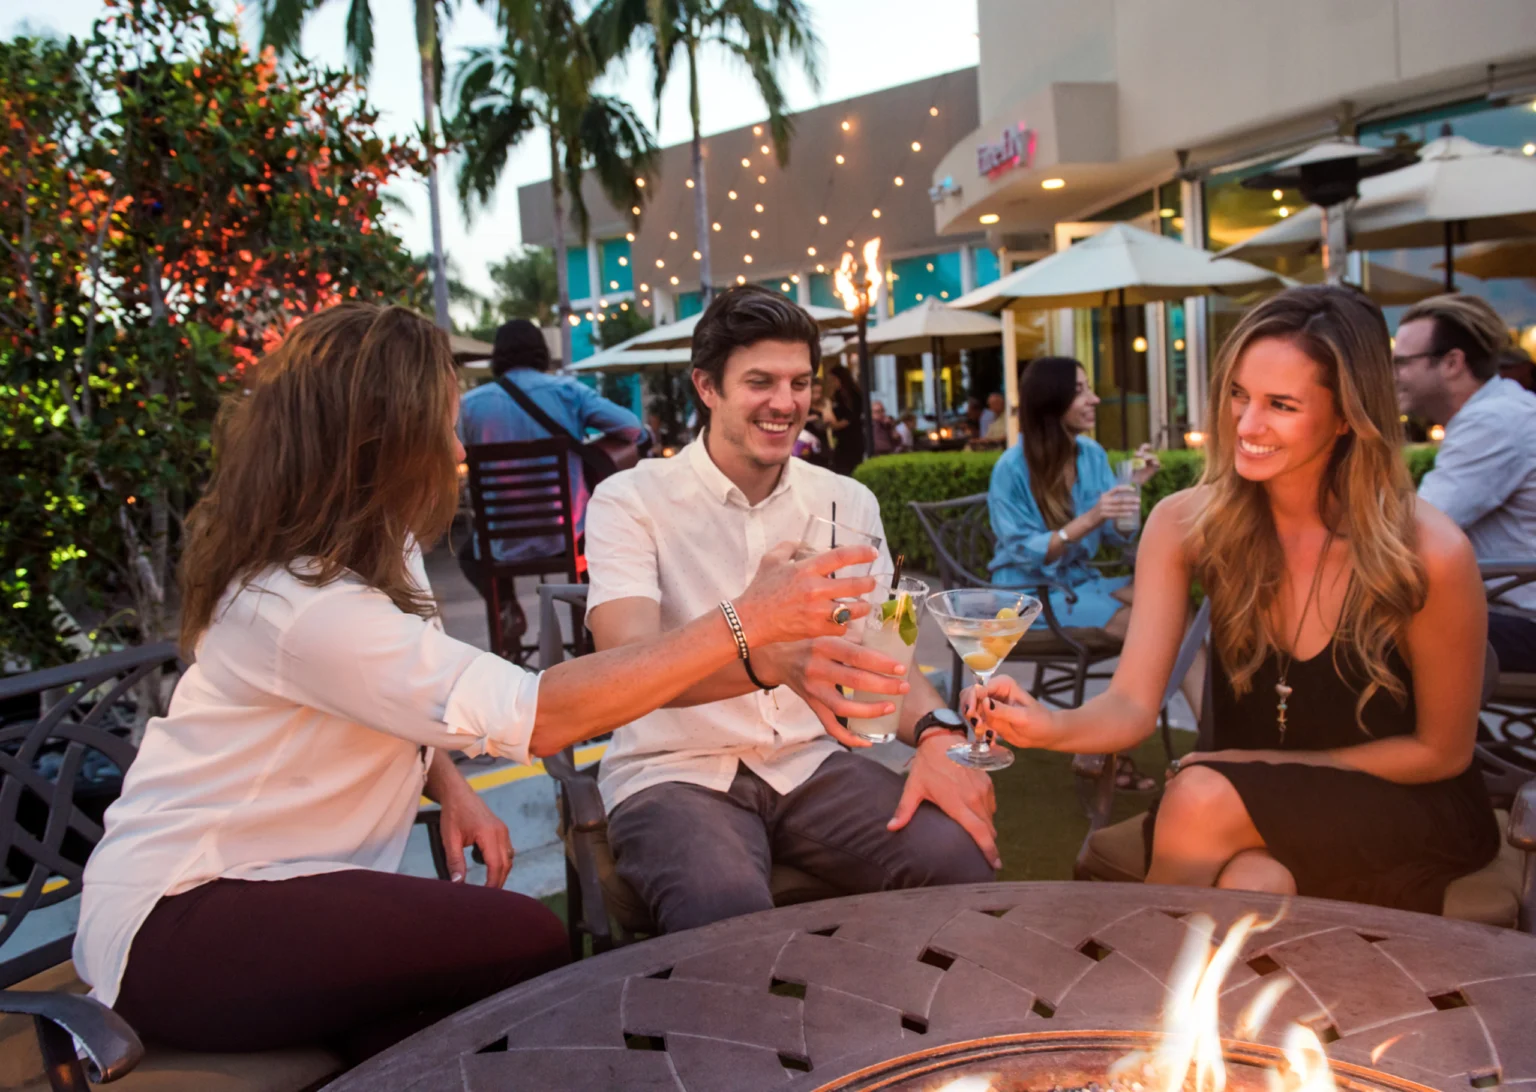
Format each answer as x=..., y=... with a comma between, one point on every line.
x=494, y=779
x=48, y=888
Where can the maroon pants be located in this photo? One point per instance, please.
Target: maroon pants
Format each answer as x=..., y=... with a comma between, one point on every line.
x=353, y=960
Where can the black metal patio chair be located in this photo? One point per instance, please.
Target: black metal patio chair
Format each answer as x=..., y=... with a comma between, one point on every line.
x=520, y=492
x=600, y=905
x=1510, y=749
x=1502, y=893
x=64, y=748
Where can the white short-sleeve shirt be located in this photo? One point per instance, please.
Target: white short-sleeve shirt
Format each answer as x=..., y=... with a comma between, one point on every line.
x=296, y=744
x=679, y=532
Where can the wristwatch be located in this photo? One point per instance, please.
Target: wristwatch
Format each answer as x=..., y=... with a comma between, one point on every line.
x=1066, y=539
x=941, y=719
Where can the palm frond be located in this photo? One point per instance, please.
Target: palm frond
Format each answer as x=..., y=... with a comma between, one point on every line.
x=618, y=148
x=781, y=125
x=282, y=23
x=360, y=37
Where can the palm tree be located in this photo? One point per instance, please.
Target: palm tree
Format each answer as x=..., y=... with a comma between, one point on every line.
x=541, y=77
x=282, y=23
x=761, y=34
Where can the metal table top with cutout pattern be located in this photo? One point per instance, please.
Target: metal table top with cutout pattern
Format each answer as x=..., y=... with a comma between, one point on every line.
x=791, y=999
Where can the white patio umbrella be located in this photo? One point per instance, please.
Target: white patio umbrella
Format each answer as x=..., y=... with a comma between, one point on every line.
x=1122, y=266
x=932, y=327
x=1389, y=287
x=679, y=335
x=1458, y=192
x=1498, y=261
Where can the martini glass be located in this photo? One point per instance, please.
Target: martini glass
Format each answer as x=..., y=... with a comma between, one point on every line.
x=983, y=625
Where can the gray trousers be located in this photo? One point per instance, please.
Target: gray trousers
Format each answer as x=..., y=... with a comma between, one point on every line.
x=696, y=856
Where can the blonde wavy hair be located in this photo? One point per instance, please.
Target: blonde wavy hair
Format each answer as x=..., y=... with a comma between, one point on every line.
x=339, y=452
x=1366, y=495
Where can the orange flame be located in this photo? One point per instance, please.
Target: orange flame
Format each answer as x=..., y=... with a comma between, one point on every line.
x=845, y=278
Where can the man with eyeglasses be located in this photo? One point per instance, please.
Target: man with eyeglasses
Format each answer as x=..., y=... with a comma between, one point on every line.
x=1447, y=360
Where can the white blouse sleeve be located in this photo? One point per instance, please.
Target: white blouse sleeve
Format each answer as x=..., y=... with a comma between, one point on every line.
x=350, y=652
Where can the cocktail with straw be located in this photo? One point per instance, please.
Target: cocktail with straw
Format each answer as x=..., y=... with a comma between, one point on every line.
x=890, y=629
x=983, y=625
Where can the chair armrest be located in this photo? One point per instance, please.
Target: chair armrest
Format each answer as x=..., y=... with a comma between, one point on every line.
x=581, y=793
x=111, y=1047
x=1522, y=818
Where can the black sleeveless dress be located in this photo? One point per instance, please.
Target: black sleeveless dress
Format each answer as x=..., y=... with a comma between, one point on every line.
x=1344, y=834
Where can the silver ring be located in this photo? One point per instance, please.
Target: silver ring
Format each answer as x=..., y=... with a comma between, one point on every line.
x=1174, y=766
x=841, y=615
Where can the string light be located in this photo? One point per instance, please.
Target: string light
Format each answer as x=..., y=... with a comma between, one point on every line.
x=689, y=183
x=715, y=225
x=841, y=161
x=623, y=260
x=821, y=219
x=612, y=284
x=850, y=243
x=820, y=268
x=1178, y=345
x=674, y=280
x=660, y=264
x=755, y=234
x=697, y=256
x=629, y=236
x=930, y=267
x=575, y=320
x=745, y=162
x=645, y=303
x=747, y=258
x=919, y=297
x=916, y=146
x=1277, y=194
x=645, y=288
x=762, y=179
x=731, y=194
x=635, y=209
x=740, y=279
x=875, y=213
x=1140, y=345
x=764, y=149
x=783, y=286
x=672, y=235
x=900, y=181
x=794, y=278
x=944, y=294
x=847, y=125
x=811, y=251
x=1284, y=212
x=640, y=182
x=624, y=306
x=602, y=302
x=757, y=130
x=933, y=111
x=757, y=208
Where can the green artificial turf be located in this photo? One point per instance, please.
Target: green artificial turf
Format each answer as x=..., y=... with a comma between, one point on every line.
x=1040, y=824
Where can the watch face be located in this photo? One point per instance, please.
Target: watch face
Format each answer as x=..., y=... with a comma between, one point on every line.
x=947, y=717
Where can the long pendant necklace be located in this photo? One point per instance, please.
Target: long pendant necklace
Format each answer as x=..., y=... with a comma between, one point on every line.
x=1283, y=689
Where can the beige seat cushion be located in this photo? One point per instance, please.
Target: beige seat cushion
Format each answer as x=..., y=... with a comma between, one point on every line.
x=1490, y=895
x=789, y=885
x=163, y=1069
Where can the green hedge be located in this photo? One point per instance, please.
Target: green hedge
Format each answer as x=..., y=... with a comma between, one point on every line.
x=942, y=475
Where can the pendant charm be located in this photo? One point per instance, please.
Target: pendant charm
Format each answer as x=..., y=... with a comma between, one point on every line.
x=1284, y=692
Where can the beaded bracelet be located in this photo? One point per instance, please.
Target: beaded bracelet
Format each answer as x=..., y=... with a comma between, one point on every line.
x=740, y=636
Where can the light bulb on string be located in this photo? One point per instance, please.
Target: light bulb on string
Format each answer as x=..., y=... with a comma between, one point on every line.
x=755, y=234
x=740, y=279
x=715, y=226
x=635, y=209
x=757, y=130
x=689, y=183
x=841, y=160
x=745, y=162
x=764, y=149
x=672, y=235
x=917, y=146
x=629, y=236
x=933, y=111
x=757, y=208
x=821, y=220
x=747, y=258
x=811, y=251
x=762, y=179
x=900, y=181
x=731, y=194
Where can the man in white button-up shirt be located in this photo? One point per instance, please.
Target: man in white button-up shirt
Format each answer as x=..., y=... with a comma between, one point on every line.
x=1446, y=356
x=704, y=795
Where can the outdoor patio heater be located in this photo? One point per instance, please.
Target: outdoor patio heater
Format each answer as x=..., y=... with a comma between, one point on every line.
x=1328, y=175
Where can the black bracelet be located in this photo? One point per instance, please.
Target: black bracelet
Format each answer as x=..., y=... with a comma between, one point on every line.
x=747, y=663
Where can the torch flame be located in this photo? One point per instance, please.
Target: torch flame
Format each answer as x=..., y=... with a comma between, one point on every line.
x=1190, y=1055
x=845, y=278
x=1382, y=1048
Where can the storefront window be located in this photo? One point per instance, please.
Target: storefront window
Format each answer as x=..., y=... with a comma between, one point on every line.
x=576, y=273
x=1503, y=126
x=618, y=275
x=925, y=277
x=823, y=291
x=689, y=304
x=1170, y=211
x=986, y=266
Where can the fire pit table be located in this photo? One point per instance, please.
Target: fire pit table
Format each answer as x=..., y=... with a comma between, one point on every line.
x=996, y=986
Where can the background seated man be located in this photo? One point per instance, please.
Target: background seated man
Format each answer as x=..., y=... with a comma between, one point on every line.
x=705, y=794
x=1447, y=359
x=489, y=415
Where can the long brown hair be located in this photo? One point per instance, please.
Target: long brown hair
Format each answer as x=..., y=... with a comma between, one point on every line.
x=1366, y=494
x=1046, y=392
x=340, y=450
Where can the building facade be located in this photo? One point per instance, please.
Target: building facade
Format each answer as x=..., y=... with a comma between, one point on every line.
x=1101, y=111
x=857, y=169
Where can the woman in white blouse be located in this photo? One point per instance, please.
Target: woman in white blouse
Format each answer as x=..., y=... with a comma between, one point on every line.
x=244, y=896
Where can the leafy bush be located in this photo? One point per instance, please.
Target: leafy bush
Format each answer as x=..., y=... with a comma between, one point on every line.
x=944, y=475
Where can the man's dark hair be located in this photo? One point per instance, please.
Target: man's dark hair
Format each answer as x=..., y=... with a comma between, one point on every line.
x=743, y=316
x=519, y=344
x=1467, y=323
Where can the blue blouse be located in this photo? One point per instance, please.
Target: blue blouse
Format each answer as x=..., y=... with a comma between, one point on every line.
x=1022, y=536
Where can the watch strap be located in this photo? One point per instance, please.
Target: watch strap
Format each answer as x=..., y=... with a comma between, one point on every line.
x=930, y=723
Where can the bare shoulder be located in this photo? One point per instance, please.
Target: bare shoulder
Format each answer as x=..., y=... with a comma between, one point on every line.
x=1441, y=546
x=1177, y=511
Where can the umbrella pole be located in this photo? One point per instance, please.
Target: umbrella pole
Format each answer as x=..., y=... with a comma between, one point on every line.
x=1122, y=369
x=1450, y=260
x=936, y=353
x=864, y=374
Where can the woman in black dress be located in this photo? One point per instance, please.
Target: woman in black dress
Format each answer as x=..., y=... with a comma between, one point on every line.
x=847, y=423
x=1348, y=625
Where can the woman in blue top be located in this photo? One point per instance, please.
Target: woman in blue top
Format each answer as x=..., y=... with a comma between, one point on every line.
x=1054, y=500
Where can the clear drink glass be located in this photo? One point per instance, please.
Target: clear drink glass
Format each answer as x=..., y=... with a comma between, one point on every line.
x=1125, y=474
x=983, y=625
x=822, y=534
x=890, y=629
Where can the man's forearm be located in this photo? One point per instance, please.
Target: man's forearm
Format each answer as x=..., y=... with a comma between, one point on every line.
x=921, y=700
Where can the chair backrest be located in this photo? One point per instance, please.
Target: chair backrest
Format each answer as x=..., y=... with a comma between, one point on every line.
x=521, y=491
x=552, y=650
x=64, y=749
x=960, y=531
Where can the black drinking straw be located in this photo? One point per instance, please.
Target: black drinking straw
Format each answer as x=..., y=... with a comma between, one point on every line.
x=901, y=559
x=834, y=525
